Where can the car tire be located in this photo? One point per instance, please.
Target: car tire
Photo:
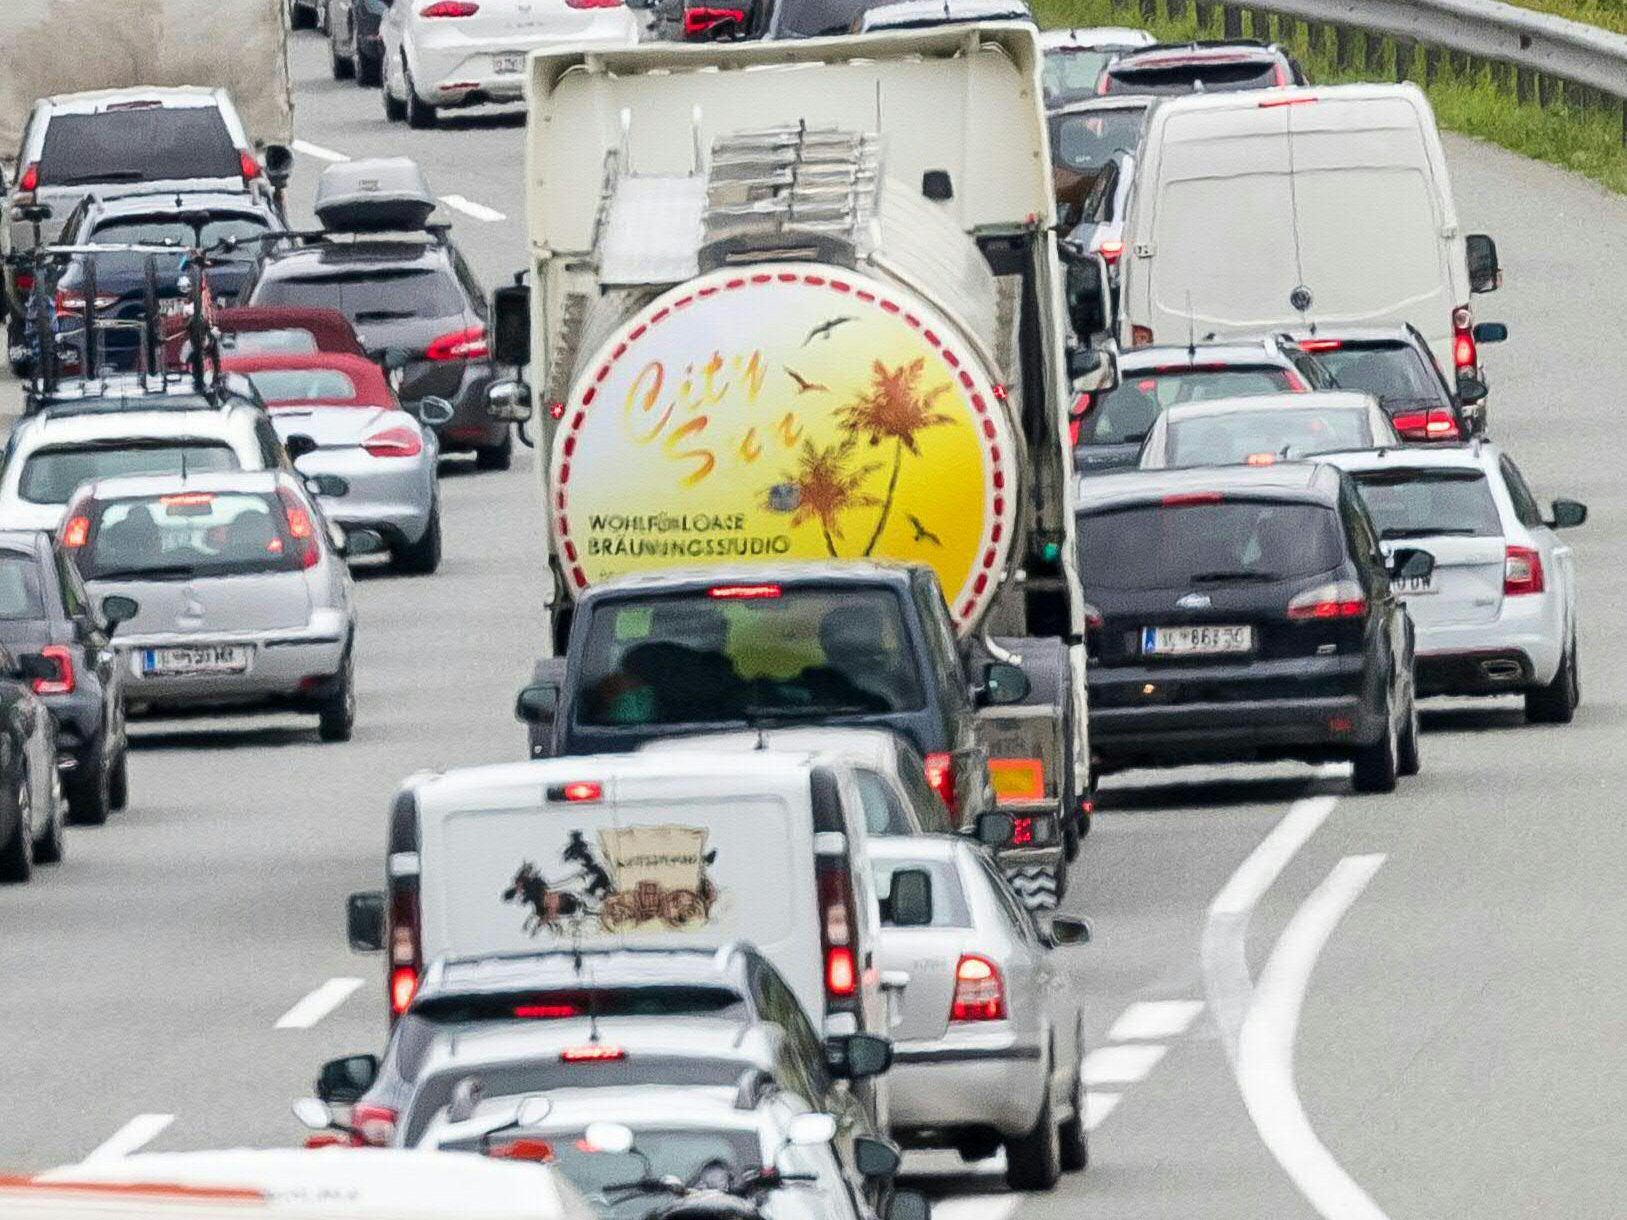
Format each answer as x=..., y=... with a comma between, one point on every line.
x=421, y=558
x=394, y=109
x=1070, y=842
x=1034, y=1160
x=1376, y=766
x=342, y=66
x=1556, y=702
x=420, y=114
x=369, y=69
x=90, y=789
x=1074, y=1138
x=496, y=457
x=1409, y=758
x=53, y=846
x=337, y=712
x=17, y=856
x=118, y=784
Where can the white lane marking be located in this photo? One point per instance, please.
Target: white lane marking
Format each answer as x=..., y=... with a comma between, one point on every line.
x=1120, y=1064
x=318, y=1004
x=317, y=151
x=1097, y=1107
x=975, y=1207
x=470, y=208
x=134, y=1135
x=1265, y=1048
x=1226, y=979
x=1147, y=1020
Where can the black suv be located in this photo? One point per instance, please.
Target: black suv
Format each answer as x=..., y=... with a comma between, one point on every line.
x=417, y=308
x=44, y=609
x=1246, y=614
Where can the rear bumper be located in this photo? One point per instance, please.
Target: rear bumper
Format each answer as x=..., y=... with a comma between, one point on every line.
x=1313, y=729
x=1452, y=658
x=448, y=58
x=285, y=667
x=967, y=1079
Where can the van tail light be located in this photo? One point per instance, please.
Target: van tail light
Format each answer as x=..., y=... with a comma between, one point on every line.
x=940, y=776
x=375, y=1125
x=1522, y=572
x=63, y=683
x=1140, y=336
x=405, y=947
x=28, y=184
x=980, y=992
x=450, y=8
x=300, y=528
x=403, y=986
x=1437, y=424
x=1464, y=353
x=1341, y=599
x=249, y=164
x=397, y=442
x=1110, y=250
x=837, y=927
x=469, y=344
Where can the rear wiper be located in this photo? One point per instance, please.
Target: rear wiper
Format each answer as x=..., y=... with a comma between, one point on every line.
x=384, y=315
x=1426, y=531
x=1215, y=578
x=114, y=175
x=174, y=571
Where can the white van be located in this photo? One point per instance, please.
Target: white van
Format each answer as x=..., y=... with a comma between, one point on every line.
x=1286, y=208
x=649, y=851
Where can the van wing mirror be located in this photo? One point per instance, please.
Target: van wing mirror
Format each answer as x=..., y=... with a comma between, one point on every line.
x=1485, y=271
x=1003, y=684
x=909, y=903
x=1089, y=293
x=364, y=921
x=858, y=1056
x=1491, y=332
x=346, y=1080
x=511, y=324
x=537, y=704
x=876, y=1158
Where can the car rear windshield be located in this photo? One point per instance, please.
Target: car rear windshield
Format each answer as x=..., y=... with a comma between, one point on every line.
x=22, y=598
x=1391, y=372
x=559, y=1003
x=50, y=475
x=145, y=144
x=168, y=231
x=1125, y=413
x=1187, y=77
x=783, y=653
x=949, y=909
x=811, y=18
x=1421, y=503
x=1088, y=141
x=283, y=341
x=371, y=296
x=1190, y=545
x=187, y=534
x=1072, y=73
x=303, y=385
x=1260, y=437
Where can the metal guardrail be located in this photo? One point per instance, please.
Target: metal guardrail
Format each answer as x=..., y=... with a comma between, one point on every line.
x=1539, y=57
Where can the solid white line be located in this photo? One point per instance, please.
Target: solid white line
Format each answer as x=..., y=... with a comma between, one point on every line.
x=1120, y=1064
x=975, y=1207
x=1146, y=1020
x=135, y=1134
x=1265, y=1048
x=1226, y=980
x=1097, y=1107
x=317, y=151
x=318, y=1004
x=470, y=208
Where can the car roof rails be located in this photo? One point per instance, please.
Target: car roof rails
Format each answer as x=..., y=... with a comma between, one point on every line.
x=1200, y=44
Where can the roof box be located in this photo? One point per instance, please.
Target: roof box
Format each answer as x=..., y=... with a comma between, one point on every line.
x=381, y=193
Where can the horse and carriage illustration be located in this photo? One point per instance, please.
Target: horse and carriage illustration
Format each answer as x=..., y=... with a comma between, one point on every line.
x=641, y=878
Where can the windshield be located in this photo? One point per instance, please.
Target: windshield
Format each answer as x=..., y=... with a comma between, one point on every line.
x=1181, y=546
x=186, y=534
x=1260, y=437
x=1085, y=142
x=371, y=296
x=50, y=475
x=1417, y=503
x=21, y=596
x=1391, y=372
x=147, y=144
x=798, y=654
x=303, y=385
x=1188, y=77
x=1125, y=414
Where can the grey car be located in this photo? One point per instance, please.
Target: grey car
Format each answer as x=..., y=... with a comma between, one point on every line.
x=1265, y=429
x=989, y=1043
x=244, y=599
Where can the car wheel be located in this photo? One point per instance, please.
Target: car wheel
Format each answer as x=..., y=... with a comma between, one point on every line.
x=342, y=66
x=496, y=457
x=90, y=795
x=394, y=109
x=1409, y=760
x=422, y=557
x=1377, y=765
x=338, y=711
x=50, y=848
x=1075, y=1139
x=369, y=70
x=17, y=856
x=1034, y=1160
x=1556, y=702
x=118, y=785
x=420, y=113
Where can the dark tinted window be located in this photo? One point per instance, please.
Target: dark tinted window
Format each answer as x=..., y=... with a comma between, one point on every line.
x=809, y=18
x=1088, y=141
x=1185, y=78
x=371, y=296
x=559, y=1003
x=1391, y=372
x=194, y=533
x=801, y=653
x=1126, y=413
x=1176, y=546
x=22, y=597
x=1279, y=433
x=50, y=475
x=168, y=231
x=149, y=144
x=1415, y=503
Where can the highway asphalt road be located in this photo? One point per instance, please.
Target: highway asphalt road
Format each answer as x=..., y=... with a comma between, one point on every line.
x=1303, y=1002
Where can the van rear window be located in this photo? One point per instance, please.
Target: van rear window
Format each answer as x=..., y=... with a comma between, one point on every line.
x=1159, y=546
x=149, y=144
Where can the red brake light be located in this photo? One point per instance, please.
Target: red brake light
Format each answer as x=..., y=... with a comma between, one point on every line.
x=522, y=1150
x=742, y=592
x=30, y=181
x=841, y=978
x=188, y=499
x=1464, y=353
x=546, y=1012
x=1522, y=572
x=940, y=777
x=1181, y=500
x=1272, y=103
x=1261, y=459
x=1342, y=599
x=1320, y=345
x=250, y=166
x=835, y=888
x=467, y=344
x=584, y=791
x=397, y=442
x=375, y=1124
x=449, y=8
x=1434, y=425
x=62, y=684
x=1110, y=250
x=699, y=20
x=76, y=532
x=1022, y=831
x=593, y=1052
x=300, y=528
x=403, y=986
x=980, y=992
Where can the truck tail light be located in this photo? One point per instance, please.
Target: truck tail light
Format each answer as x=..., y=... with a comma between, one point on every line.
x=940, y=775
x=468, y=344
x=375, y=1125
x=836, y=928
x=63, y=683
x=1341, y=599
x=248, y=164
x=1522, y=572
x=980, y=992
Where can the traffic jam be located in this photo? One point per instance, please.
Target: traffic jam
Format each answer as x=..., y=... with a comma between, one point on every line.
x=926, y=418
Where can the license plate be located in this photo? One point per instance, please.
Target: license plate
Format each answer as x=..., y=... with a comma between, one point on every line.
x=204, y=659
x=1195, y=641
x=509, y=63
x=1413, y=586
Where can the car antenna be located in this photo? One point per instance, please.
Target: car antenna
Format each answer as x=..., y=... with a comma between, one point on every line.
x=1301, y=298
x=1191, y=331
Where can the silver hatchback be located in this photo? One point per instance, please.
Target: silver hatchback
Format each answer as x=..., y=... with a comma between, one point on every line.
x=243, y=596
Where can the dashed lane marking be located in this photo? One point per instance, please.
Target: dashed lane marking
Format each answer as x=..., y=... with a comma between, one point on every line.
x=1148, y=1020
x=132, y=1137
x=1120, y=1064
x=1097, y=1107
x=469, y=207
x=976, y=1207
x=320, y=153
x=318, y=1004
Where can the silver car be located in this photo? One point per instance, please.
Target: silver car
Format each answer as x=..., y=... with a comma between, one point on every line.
x=989, y=1042
x=244, y=598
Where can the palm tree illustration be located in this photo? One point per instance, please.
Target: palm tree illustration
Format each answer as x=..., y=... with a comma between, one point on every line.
x=895, y=409
x=824, y=487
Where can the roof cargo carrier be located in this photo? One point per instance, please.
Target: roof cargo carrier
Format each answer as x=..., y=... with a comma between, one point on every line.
x=380, y=194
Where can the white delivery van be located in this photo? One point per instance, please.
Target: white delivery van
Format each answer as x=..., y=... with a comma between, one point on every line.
x=1327, y=206
x=637, y=851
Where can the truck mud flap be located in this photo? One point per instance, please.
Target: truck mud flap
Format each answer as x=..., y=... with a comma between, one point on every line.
x=1038, y=885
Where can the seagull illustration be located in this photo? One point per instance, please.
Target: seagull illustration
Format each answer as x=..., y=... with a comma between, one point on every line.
x=822, y=331
x=922, y=534
x=804, y=386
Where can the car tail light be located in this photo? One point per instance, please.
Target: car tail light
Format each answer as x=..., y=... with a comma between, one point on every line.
x=742, y=592
x=1433, y=425
x=980, y=992
x=397, y=442
x=940, y=776
x=1341, y=599
x=1189, y=498
x=1110, y=250
x=1140, y=336
x=1522, y=572
x=300, y=528
x=29, y=182
x=699, y=20
x=249, y=164
x=592, y=1052
x=62, y=684
x=547, y=1012
x=1321, y=345
x=1082, y=405
x=374, y=1125
x=836, y=927
x=72, y=302
x=76, y=532
x=449, y=8
x=467, y=344
x=1464, y=353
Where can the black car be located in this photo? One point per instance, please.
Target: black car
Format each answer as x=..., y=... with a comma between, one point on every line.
x=1206, y=67
x=1245, y=614
x=1395, y=365
x=45, y=612
x=31, y=813
x=355, y=43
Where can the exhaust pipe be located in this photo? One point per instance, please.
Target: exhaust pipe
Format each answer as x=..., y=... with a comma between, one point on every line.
x=1501, y=670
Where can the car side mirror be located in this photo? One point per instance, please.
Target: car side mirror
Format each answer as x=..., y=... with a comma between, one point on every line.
x=344, y=1081
x=299, y=445
x=33, y=667
x=910, y=901
x=509, y=401
x=858, y=1056
x=435, y=411
x=1003, y=684
x=1471, y=389
x=876, y=1158
x=360, y=542
x=537, y=704
x=327, y=485
x=116, y=609
x=995, y=829
x=908, y=1205
x=1568, y=514
x=1485, y=272
x=511, y=325
x=1409, y=563
x=1491, y=332
x=364, y=921
x=1069, y=930
x=279, y=165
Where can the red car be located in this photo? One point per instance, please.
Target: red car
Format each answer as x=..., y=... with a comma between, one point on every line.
x=253, y=330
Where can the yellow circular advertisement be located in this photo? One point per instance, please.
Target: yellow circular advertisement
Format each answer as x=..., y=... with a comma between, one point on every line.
x=787, y=412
